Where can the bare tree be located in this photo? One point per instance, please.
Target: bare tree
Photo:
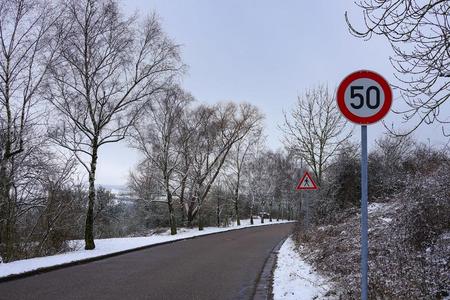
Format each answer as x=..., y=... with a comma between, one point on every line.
x=418, y=32
x=50, y=176
x=40, y=200
x=27, y=45
x=252, y=184
x=220, y=128
x=315, y=129
x=108, y=68
x=283, y=170
x=220, y=195
x=260, y=183
x=272, y=161
x=143, y=182
x=237, y=161
x=155, y=136
x=185, y=134
x=387, y=165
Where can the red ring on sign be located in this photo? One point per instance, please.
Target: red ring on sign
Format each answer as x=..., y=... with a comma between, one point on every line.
x=340, y=97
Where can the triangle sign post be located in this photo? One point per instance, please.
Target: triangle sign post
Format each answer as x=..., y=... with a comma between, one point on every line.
x=306, y=183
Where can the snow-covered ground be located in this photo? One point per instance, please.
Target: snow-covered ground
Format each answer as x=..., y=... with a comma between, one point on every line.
x=295, y=279
x=108, y=246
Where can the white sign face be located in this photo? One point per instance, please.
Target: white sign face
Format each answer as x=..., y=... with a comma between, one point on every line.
x=364, y=97
x=306, y=183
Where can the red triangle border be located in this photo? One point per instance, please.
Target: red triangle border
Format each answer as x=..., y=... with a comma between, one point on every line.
x=299, y=186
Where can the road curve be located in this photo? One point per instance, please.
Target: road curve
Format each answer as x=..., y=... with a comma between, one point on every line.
x=219, y=266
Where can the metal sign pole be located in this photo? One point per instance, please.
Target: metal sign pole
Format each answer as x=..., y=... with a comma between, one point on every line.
x=364, y=97
x=364, y=215
x=307, y=211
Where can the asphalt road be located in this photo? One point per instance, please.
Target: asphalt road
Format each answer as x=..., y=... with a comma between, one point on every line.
x=219, y=266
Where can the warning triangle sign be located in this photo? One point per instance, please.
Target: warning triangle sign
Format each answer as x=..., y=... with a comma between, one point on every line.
x=306, y=183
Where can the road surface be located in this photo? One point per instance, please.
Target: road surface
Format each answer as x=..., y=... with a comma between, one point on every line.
x=219, y=266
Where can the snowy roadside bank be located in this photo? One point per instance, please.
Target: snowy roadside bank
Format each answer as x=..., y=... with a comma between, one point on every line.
x=295, y=279
x=113, y=245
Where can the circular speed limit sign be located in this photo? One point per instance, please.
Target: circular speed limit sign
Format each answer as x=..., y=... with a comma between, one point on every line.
x=364, y=97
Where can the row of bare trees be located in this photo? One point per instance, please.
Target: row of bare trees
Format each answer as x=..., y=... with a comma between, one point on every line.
x=185, y=148
x=207, y=164
x=76, y=74
x=107, y=68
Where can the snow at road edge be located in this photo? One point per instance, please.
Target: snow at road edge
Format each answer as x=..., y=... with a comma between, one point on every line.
x=295, y=279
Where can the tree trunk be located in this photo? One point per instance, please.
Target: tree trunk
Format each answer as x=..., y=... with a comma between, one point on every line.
x=190, y=220
x=172, y=221
x=236, y=210
x=89, y=226
x=3, y=212
x=183, y=216
x=262, y=219
x=6, y=243
x=270, y=212
x=279, y=212
x=6, y=202
x=183, y=188
x=190, y=214
x=218, y=213
x=236, y=201
x=251, y=214
x=9, y=240
x=200, y=219
x=199, y=212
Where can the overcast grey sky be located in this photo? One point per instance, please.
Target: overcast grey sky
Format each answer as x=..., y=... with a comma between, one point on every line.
x=262, y=52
